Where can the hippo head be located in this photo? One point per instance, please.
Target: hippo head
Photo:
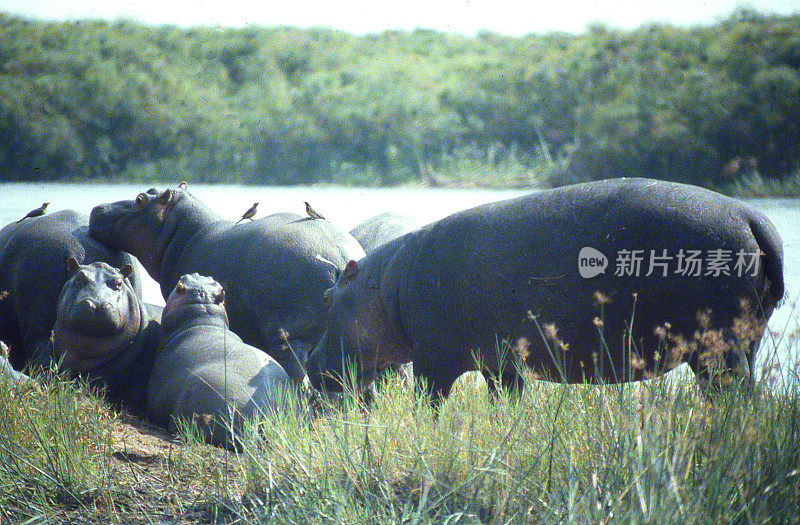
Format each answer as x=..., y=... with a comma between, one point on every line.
x=194, y=296
x=355, y=332
x=137, y=226
x=98, y=315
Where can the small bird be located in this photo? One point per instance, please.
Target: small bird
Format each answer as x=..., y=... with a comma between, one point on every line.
x=314, y=214
x=249, y=213
x=37, y=212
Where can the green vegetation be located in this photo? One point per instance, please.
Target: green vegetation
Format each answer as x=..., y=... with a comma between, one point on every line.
x=657, y=451
x=95, y=100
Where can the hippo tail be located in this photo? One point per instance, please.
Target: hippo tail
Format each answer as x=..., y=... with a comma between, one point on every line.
x=771, y=245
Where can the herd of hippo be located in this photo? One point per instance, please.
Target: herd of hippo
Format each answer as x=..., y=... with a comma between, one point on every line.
x=255, y=307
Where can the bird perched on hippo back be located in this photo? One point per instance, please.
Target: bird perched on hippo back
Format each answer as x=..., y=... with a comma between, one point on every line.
x=33, y=255
x=274, y=270
x=104, y=333
x=518, y=271
x=38, y=212
x=204, y=371
x=249, y=214
x=312, y=213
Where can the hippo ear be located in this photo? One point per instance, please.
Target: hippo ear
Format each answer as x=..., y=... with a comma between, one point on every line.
x=350, y=271
x=220, y=298
x=72, y=265
x=165, y=197
x=126, y=270
x=183, y=185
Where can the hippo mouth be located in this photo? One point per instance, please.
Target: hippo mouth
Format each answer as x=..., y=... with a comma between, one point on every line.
x=89, y=319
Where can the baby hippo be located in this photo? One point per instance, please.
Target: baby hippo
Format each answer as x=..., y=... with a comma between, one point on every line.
x=104, y=333
x=204, y=371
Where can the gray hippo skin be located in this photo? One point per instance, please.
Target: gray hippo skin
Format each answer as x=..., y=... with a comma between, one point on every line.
x=370, y=234
x=105, y=334
x=380, y=229
x=33, y=256
x=274, y=270
x=204, y=369
x=508, y=271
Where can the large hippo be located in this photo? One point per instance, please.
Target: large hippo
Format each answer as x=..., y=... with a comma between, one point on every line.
x=274, y=270
x=33, y=256
x=105, y=334
x=552, y=277
x=203, y=369
x=380, y=229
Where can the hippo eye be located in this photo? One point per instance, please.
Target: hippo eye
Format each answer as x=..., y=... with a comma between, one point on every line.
x=141, y=199
x=81, y=278
x=115, y=284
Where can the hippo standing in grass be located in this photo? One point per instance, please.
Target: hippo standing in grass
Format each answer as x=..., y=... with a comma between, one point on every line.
x=203, y=369
x=274, y=270
x=607, y=281
x=105, y=334
x=380, y=229
x=33, y=256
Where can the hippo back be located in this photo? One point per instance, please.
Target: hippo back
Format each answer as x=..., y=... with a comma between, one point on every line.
x=377, y=231
x=204, y=371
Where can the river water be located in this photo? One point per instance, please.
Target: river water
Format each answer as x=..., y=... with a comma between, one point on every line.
x=349, y=206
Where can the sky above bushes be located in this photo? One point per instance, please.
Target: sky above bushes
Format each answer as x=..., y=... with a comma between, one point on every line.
x=512, y=17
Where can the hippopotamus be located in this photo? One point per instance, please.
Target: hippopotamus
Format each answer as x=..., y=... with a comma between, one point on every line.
x=370, y=234
x=550, y=279
x=274, y=270
x=380, y=229
x=205, y=371
x=33, y=255
x=104, y=332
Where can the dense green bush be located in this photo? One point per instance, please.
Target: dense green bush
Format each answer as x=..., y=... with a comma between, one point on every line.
x=91, y=99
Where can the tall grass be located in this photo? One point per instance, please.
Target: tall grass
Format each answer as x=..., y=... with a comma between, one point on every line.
x=658, y=451
x=53, y=436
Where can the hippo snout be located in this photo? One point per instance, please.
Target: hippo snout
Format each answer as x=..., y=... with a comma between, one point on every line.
x=94, y=317
x=315, y=365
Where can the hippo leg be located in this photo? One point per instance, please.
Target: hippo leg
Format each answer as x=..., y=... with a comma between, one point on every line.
x=510, y=381
x=439, y=375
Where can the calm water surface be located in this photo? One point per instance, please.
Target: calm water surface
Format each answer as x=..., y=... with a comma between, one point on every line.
x=349, y=206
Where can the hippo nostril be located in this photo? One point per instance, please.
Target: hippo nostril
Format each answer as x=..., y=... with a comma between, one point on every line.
x=89, y=304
